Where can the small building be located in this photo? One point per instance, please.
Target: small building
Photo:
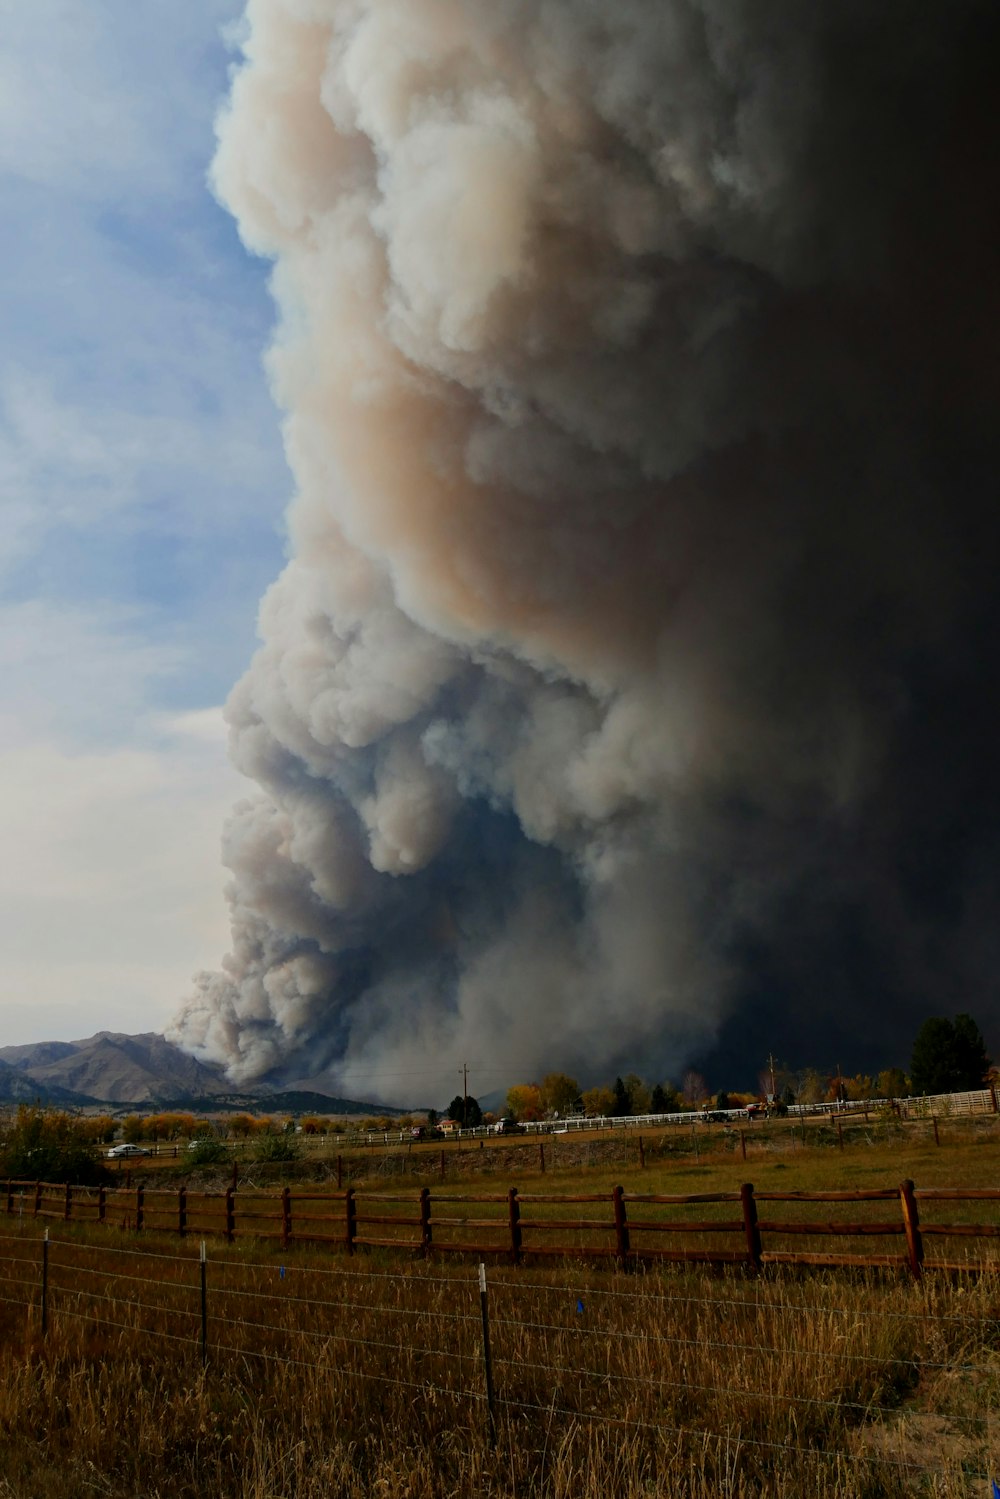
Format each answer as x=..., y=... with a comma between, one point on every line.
x=449, y=1126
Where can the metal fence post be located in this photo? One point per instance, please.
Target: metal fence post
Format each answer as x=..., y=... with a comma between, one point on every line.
x=204, y=1307
x=45, y=1283
x=487, y=1360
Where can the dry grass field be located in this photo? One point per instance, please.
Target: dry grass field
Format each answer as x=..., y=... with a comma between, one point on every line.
x=365, y=1376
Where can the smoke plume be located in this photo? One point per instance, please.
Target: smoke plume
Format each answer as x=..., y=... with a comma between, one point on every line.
x=629, y=691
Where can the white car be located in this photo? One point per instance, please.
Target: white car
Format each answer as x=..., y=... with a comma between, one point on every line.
x=117, y=1152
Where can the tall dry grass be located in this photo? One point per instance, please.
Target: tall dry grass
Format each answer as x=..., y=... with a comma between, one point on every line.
x=365, y=1378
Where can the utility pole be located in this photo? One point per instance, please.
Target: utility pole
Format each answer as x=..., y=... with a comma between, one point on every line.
x=770, y=1068
x=465, y=1095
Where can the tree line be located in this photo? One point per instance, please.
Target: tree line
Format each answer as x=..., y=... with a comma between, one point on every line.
x=948, y=1056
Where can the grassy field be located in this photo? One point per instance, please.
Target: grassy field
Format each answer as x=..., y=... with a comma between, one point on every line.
x=364, y=1377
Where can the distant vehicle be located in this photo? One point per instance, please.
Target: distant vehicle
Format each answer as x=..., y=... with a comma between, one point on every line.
x=507, y=1127
x=120, y=1152
x=756, y=1110
x=425, y=1132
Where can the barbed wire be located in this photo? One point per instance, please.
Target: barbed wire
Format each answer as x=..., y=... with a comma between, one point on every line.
x=152, y=1332
x=760, y=1304
x=145, y=1306
x=832, y=1402
x=679, y=1342
x=737, y=1437
x=145, y=1280
x=359, y=1306
x=337, y=1337
x=144, y=1254
x=410, y=1384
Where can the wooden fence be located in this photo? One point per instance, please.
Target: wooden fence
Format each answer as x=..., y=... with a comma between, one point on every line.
x=747, y=1227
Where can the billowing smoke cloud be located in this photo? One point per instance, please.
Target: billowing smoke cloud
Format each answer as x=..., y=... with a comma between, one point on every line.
x=628, y=692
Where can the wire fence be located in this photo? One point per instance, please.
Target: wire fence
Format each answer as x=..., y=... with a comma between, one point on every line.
x=772, y=1366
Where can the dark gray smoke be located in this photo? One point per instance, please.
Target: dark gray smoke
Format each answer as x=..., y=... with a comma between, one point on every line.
x=630, y=690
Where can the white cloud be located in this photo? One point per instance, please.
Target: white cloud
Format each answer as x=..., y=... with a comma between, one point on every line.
x=111, y=885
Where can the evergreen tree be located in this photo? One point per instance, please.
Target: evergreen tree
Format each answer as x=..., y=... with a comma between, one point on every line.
x=622, y=1105
x=971, y=1058
x=948, y=1056
x=465, y=1111
x=658, y=1100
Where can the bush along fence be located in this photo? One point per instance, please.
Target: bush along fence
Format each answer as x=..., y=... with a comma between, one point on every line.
x=747, y=1228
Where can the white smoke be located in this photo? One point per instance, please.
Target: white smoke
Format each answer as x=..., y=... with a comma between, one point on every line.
x=568, y=390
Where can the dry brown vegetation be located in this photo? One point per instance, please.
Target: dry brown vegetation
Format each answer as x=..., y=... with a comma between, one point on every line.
x=365, y=1376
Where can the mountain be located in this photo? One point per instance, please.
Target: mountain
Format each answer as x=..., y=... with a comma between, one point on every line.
x=148, y=1070
x=114, y=1068
x=16, y=1086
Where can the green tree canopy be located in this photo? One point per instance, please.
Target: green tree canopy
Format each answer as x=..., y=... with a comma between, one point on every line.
x=622, y=1104
x=465, y=1111
x=949, y=1056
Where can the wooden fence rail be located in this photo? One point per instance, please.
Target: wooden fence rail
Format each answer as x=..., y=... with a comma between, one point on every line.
x=725, y=1228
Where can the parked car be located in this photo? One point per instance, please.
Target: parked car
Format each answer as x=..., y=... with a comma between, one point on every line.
x=756, y=1110
x=120, y=1152
x=507, y=1127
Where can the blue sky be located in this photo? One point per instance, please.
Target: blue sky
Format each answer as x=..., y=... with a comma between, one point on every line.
x=142, y=487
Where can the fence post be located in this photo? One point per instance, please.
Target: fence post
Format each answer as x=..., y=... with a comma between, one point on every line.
x=751, y=1226
x=621, y=1223
x=993, y=1099
x=230, y=1214
x=937, y=1137
x=340, y=1173
x=541, y=1154
x=68, y=1205
x=38, y=1199
x=487, y=1361
x=352, y=1219
x=139, y=1194
x=425, y=1220
x=442, y=1165
x=102, y=1204
x=204, y=1307
x=45, y=1283
x=10, y=1196
x=286, y=1215
x=182, y=1214
x=911, y=1221
x=642, y=1155
x=514, y=1217
x=840, y=1134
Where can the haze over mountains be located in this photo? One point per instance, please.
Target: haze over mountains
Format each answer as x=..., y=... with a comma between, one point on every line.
x=115, y=1068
